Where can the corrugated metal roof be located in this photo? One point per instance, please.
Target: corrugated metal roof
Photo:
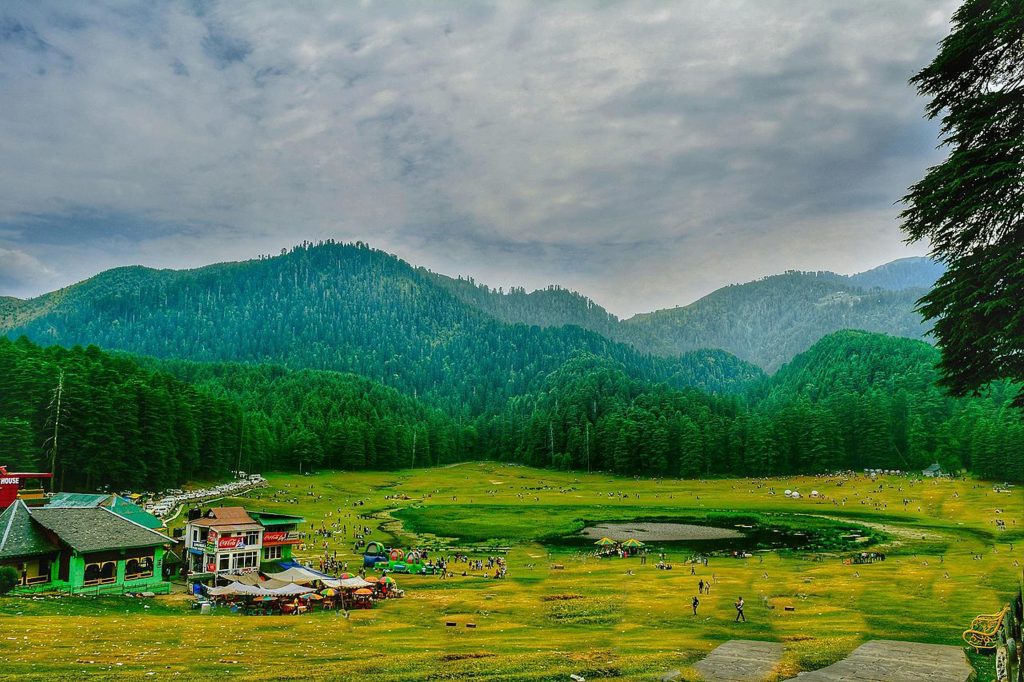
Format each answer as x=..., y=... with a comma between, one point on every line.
x=275, y=519
x=115, y=503
x=84, y=500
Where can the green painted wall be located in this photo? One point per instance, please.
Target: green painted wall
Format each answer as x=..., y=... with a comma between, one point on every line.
x=76, y=575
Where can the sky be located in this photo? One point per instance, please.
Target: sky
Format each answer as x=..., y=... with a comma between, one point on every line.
x=643, y=153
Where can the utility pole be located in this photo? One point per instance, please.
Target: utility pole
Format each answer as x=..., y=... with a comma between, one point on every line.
x=587, y=444
x=58, y=396
x=551, y=441
x=241, y=436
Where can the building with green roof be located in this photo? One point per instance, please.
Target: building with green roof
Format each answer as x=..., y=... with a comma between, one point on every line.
x=114, y=503
x=81, y=549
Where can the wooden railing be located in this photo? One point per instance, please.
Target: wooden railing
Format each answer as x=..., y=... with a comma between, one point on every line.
x=36, y=580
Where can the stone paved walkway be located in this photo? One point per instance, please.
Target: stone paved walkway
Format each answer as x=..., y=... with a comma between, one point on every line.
x=883, y=660
x=740, y=660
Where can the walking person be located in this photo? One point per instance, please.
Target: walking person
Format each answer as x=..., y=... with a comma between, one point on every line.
x=700, y=586
x=695, y=603
x=739, y=610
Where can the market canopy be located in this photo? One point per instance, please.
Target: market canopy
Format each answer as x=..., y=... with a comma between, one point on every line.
x=299, y=574
x=255, y=579
x=236, y=588
x=353, y=583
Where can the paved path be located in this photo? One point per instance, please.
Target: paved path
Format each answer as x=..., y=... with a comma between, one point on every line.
x=883, y=660
x=740, y=660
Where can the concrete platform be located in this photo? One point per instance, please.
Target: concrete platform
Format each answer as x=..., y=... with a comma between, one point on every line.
x=883, y=660
x=740, y=660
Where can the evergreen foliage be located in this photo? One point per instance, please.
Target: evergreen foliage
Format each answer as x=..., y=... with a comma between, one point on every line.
x=339, y=307
x=970, y=207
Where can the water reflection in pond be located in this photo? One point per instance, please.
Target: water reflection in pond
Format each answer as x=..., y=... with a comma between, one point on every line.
x=704, y=538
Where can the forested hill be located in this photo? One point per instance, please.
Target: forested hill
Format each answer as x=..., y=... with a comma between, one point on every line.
x=550, y=307
x=339, y=307
x=769, y=321
x=854, y=400
x=766, y=322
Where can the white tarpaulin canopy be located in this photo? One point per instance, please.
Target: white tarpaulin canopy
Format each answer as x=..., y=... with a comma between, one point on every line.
x=297, y=574
x=347, y=583
x=234, y=588
x=255, y=579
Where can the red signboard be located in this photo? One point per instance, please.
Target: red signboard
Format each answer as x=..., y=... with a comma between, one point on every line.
x=231, y=543
x=272, y=538
x=10, y=483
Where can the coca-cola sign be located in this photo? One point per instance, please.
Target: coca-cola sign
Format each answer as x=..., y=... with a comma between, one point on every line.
x=278, y=537
x=236, y=542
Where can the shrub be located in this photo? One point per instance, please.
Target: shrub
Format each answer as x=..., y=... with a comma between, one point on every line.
x=8, y=579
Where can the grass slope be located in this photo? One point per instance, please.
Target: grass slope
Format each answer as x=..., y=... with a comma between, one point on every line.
x=543, y=623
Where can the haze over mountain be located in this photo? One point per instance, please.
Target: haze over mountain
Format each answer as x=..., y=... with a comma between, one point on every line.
x=338, y=307
x=473, y=386
x=765, y=322
x=360, y=310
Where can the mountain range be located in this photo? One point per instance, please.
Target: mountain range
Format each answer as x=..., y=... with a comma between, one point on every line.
x=343, y=356
x=353, y=308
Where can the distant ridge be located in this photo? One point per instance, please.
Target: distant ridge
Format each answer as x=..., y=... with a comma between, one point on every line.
x=765, y=322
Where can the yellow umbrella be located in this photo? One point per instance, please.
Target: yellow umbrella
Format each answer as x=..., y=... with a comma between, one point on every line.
x=632, y=542
x=604, y=542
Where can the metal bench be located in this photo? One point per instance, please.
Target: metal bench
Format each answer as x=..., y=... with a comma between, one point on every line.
x=983, y=630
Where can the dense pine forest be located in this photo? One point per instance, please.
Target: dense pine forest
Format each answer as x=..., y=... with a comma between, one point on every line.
x=118, y=424
x=346, y=308
x=345, y=357
x=855, y=400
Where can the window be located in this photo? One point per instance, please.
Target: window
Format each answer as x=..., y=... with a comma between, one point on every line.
x=271, y=553
x=136, y=569
x=35, y=572
x=245, y=560
x=252, y=537
x=224, y=562
x=100, y=573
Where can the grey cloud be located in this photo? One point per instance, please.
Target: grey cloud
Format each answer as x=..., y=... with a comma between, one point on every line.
x=628, y=149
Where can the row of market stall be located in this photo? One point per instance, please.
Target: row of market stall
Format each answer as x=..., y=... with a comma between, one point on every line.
x=299, y=589
x=609, y=547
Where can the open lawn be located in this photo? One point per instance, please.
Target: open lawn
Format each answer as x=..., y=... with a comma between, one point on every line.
x=590, y=617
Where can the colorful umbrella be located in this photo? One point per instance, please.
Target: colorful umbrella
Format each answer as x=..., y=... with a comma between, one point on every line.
x=632, y=542
x=312, y=595
x=345, y=576
x=371, y=579
x=604, y=542
x=329, y=592
x=363, y=590
x=266, y=599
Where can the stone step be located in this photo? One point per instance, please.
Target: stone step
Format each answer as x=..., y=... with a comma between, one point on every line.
x=740, y=660
x=883, y=660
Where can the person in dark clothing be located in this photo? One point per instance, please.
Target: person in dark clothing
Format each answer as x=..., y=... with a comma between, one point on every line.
x=700, y=586
x=695, y=603
x=739, y=610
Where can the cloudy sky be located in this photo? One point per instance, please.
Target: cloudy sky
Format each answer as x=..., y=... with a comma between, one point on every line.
x=643, y=153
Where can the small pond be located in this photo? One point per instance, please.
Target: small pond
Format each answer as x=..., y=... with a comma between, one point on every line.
x=719, y=537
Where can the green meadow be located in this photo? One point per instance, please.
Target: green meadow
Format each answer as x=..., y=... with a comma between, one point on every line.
x=561, y=610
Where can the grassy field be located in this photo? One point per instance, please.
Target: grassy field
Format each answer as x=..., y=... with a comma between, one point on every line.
x=590, y=617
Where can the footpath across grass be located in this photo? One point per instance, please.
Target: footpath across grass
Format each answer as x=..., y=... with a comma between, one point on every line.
x=561, y=610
